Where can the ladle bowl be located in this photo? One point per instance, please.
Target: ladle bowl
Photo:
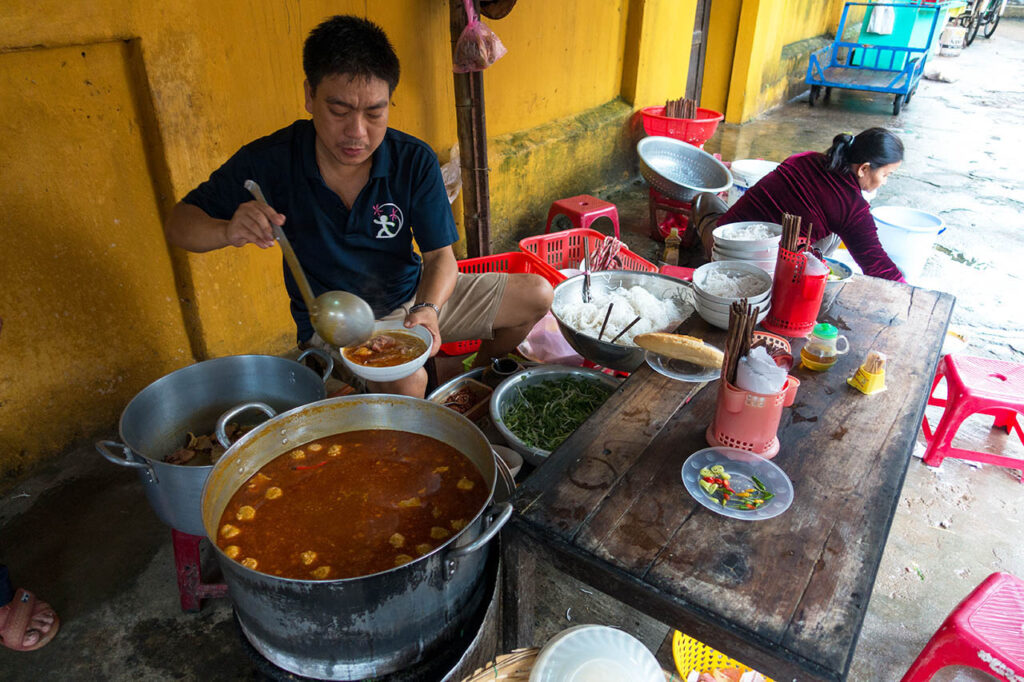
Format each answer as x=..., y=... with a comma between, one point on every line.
x=339, y=317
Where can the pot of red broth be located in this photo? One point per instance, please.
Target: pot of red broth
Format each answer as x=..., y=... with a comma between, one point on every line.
x=353, y=532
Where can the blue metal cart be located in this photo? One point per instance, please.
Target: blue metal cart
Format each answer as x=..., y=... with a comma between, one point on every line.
x=885, y=68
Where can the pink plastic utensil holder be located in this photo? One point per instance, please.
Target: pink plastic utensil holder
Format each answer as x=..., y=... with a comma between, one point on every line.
x=796, y=295
x=750, y=421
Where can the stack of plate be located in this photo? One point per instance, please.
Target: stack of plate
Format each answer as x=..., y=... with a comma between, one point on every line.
x=713, y=306
x=760, y=252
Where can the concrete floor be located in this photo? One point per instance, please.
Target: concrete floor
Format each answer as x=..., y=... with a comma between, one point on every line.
x=80, y=534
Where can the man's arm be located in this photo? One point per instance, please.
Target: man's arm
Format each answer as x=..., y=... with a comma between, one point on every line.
x=191, y=228
x=440, y=270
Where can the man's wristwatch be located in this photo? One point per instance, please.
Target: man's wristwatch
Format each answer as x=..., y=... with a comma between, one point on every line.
x=425, y=304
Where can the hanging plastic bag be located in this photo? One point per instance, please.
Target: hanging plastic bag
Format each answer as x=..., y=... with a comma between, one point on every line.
x=478, y=47
x=451, y=173
x=545, y=343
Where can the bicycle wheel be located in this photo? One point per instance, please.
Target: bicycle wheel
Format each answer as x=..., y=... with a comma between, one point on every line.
x=972, y=31
x=990, y=27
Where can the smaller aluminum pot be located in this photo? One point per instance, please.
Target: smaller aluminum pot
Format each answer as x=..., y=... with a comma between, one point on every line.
x=191, y=399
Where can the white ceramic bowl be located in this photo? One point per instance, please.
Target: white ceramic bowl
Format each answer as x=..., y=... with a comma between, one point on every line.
x=512, y=459
x=754, y=254
x=747, y=244
x=705, y=304
x=398, y=371
x=720, y=319
x=700, y=276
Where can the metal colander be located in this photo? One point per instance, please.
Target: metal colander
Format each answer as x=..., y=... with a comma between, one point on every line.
x=679, y=170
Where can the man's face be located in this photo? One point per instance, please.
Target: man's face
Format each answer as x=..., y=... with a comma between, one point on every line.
x=350, y=115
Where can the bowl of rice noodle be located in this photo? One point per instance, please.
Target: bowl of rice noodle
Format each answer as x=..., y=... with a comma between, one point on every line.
x=661, y=302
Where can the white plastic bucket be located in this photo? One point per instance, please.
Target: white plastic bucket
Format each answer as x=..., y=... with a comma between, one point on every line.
x=907, y=235
x=745, y=174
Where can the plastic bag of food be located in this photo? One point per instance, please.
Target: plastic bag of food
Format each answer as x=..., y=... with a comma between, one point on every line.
x=451, y=173
x=757, y=372
x=478, y=47
x=545, y=343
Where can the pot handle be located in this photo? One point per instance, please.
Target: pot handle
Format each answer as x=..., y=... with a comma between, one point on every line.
x=222, y=422
x=126, y=459
x=324, y=356
x=496, y=517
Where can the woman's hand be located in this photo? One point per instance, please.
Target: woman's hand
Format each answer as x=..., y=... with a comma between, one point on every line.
x=252, y=224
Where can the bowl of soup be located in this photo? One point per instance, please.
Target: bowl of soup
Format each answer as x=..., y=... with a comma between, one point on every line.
x=391, y=353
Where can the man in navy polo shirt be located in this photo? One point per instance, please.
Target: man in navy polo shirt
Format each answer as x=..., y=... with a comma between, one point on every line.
x=351, y=195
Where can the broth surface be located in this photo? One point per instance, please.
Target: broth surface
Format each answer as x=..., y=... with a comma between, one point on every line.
x=387, y=350
x=351, y=504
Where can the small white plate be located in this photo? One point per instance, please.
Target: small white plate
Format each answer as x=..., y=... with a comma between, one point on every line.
x=681, y=370
x=742, y=465
x=595, y=653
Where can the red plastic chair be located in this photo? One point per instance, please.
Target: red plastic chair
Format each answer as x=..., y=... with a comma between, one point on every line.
x=582, y=210
x=973, y=386
x=983, y=632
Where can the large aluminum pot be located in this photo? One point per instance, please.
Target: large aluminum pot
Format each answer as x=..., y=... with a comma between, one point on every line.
x=370, y=625
x=191, y=399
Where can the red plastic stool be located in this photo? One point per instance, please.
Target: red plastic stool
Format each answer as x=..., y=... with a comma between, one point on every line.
x=983, y=632
x=973, y=386
x=582, y=211
x=191, y=587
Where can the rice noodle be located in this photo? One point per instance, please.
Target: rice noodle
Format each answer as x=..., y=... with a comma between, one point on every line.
x=738, y=232
x=732, y=284
x=657, y=315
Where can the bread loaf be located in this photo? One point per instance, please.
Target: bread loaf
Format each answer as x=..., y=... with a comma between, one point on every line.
x=681, y=347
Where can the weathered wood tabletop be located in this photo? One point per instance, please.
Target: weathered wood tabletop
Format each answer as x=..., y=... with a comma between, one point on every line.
x=787, y=595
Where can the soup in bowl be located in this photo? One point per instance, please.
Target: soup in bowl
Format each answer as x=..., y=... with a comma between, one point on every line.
x=391, y=353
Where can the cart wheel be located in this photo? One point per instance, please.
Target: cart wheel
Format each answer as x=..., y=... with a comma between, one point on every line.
x=815, y=89
x=828, y=94
x=897, y=104
x=906, y=100
x=990, y=27
x=972, y=31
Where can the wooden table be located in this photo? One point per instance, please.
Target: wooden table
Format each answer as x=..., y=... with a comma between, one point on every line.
x=786, y=596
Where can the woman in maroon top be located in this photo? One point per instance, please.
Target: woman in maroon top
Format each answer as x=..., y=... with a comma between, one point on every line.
x=830, y=191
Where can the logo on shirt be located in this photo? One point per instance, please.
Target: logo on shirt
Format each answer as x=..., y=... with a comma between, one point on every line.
x=389, y=218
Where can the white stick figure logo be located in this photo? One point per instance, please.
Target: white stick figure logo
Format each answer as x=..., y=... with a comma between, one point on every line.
x=389, y=218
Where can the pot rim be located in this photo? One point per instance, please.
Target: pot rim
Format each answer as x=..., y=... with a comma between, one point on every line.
x=166, y=379
x=272, y=423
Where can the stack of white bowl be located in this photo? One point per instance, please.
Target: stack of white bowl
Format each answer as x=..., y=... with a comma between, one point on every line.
x=760, y=252
x=714, y=307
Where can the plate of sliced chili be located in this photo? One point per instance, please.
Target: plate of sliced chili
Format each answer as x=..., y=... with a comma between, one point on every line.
x=737, y=483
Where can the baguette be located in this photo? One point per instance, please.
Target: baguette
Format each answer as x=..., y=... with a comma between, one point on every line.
x=680, y=347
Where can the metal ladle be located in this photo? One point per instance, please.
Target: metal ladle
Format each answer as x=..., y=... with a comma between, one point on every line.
x=339, y=317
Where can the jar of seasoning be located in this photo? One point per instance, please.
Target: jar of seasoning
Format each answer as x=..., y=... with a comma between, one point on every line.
x=822, y=348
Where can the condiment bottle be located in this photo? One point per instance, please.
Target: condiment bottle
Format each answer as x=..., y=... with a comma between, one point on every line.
x=671, y=253
x=821, y=350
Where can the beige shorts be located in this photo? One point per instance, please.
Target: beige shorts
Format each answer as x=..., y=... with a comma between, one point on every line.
x=467, y=314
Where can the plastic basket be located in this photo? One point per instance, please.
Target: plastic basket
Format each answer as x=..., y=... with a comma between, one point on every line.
x=565, y=249
x=695, y=131
x=518, y=262
x=691, y=654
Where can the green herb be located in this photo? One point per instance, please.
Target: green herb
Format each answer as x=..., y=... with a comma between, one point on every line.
x=545, y=414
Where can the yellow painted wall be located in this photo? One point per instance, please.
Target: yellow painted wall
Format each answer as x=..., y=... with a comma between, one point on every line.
x=757, y=81
x=721, y=46
x=97, y=148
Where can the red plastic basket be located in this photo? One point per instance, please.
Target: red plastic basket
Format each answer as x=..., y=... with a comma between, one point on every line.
x=696, y=131
x=565, y=249
x=513, y=261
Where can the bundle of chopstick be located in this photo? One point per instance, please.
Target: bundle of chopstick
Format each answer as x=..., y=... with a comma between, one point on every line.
x=681, y=108
x=791, y=232
x=742, y=318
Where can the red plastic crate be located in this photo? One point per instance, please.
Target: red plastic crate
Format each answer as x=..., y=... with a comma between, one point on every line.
x=565, y=249
x=515, y=262
x=695, y=131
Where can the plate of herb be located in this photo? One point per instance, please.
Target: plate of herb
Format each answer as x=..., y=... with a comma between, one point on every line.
x=737, y=483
